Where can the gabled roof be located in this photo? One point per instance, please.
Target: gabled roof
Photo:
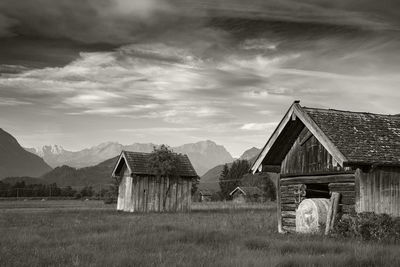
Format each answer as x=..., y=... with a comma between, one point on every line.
x=247, y=190
x=365, y=138
x=352, y=138
x=137, y=164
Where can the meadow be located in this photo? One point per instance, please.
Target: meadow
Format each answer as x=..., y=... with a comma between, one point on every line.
x=89, y=233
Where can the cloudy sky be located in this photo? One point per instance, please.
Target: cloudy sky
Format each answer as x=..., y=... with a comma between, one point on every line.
x=80, y=72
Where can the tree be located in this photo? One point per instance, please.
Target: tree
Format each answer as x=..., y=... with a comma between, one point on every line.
x=87, y=191
x=230, y=177
x=114, y=188
x=68, y=192
x=163, y=162
x=263, y=181
x=195, y=184
x=223, y=183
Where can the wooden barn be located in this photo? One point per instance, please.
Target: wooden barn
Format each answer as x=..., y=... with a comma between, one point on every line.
x=320, y=151
x=142, y=191
x=243, y=194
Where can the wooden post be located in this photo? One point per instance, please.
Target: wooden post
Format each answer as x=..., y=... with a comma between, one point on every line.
x=278, y=205
x=189, y=203
x=332, y=211
x=161, y=194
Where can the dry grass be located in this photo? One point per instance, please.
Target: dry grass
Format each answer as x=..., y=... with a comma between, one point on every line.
x=77, y=233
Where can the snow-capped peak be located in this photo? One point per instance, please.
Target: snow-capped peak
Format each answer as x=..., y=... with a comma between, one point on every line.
x=49, y=149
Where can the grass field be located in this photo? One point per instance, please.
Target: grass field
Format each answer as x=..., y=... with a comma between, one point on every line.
x=88, y=233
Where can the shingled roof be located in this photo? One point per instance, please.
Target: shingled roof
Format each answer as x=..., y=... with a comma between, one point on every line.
x=361, y=137
x=137, y=162
x=352, y=138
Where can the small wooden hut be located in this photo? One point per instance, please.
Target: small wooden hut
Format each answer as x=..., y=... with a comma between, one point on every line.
x=202, y=195
x=320, y=151
x=243, y=194
x=141, y=191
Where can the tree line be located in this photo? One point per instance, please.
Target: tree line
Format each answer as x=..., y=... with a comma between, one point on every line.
x=238, y=175
x=21, y=189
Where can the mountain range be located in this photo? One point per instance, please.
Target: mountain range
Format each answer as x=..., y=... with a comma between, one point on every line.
x=16, y=161
x=203, y=155
x=56, y=155
x=99, y=174
x=92, y=166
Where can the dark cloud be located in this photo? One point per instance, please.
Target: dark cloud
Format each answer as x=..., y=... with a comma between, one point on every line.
x=91, y=21
x=123, y=21
x=39, y=52
x=51, y=33
x=225, y=67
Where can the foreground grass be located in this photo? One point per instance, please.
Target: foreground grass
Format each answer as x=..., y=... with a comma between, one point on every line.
x=91, y=234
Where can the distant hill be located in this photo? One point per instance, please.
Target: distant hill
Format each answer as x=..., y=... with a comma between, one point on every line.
x=94, y=175
x=249, y=154
x=26, y=179
x=203, y=155
x=15, y=161
x=210, y=180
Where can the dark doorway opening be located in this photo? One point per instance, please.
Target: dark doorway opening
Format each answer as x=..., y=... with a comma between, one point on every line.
x=317, y=191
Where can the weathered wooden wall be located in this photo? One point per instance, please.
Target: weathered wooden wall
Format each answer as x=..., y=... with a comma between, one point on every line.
x=378, y=190
x=308, y=156
x=152, y=194
x=122, y=188
x=239, y=197
x=293, y=190
x=307, y=171
x=347, y=198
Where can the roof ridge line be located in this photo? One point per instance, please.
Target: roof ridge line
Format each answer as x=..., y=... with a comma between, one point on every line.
x=348, y=111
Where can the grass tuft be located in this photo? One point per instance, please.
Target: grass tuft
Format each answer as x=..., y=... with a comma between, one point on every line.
x=311, y=248
x=258, y=244
x=205, y=237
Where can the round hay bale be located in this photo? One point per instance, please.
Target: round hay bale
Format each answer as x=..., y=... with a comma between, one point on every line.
x=311, y=215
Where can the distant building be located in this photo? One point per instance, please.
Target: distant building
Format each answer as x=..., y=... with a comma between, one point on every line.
x=242, y=194
x=202, y=195
x=320, y=151
x=142, y=191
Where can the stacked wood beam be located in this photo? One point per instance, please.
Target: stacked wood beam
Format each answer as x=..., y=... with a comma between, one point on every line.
x=290, y=197
x=347, y=196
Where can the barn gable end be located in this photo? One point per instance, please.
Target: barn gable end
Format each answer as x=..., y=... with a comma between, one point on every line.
x=121, y=166
x=284, y=136
x=308, y=156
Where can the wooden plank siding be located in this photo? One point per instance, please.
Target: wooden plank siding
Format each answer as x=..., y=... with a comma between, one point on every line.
x=120, y=195
x=147, y=194
x=378, y=191
x=308, y=156
x=128, y=193
x=347, y=193
x=189, y=196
